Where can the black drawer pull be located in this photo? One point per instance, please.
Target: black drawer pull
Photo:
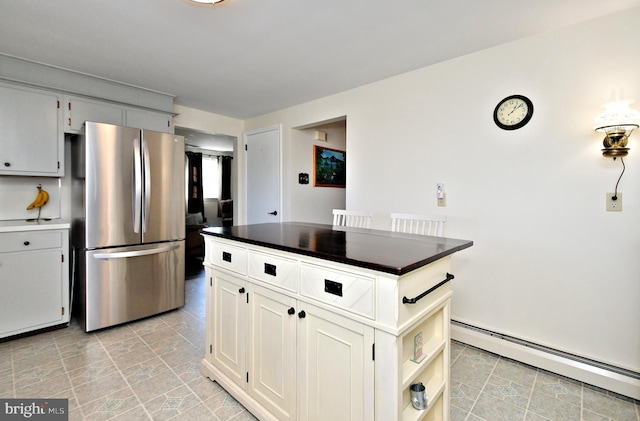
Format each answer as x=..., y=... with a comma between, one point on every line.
x=270, y=269
x=291, y=311
x=406, y=300
x=241, y=290
x=302, y=314
x=7, y=164
x=26, y=243
x=333, y=287
x=226, y=256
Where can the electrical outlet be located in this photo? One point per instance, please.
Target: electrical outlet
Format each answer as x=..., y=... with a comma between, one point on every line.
x=442, y=201
x=614, y=205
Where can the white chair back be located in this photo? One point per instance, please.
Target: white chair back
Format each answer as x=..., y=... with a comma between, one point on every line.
x=418, y=224
x=356, y=219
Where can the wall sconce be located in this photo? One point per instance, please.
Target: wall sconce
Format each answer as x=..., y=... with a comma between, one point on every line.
x=617, y=122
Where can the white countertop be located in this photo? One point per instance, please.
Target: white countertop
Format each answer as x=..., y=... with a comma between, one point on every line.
x=23, y=225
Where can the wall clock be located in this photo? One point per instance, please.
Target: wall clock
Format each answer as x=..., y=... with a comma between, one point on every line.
x=513, y=112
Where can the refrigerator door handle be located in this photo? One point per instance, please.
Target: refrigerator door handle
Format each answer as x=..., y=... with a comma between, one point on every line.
x=137, y=181
x=147, y=185
x=134, y=253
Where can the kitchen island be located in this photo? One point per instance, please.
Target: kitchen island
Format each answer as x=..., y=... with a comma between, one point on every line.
x=309, y=321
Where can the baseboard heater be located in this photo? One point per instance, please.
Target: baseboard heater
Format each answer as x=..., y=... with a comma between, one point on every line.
x=617, y=379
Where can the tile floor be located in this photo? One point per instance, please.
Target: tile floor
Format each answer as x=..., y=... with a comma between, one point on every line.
x=150, y=370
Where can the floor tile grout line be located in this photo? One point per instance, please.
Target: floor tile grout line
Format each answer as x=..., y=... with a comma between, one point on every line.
x=122, y=374
x=66, y=370
x=533, y=386
x=482, y=389
x=171, y=368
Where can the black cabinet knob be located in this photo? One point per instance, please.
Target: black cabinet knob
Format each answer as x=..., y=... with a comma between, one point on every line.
x=26, y=243
x=7, y=164
x=302, y=314
x=241, y=290
x=274, y=213
x=291, y=311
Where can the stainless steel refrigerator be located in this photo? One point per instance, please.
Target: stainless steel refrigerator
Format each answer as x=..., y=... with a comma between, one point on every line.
x=128, y=226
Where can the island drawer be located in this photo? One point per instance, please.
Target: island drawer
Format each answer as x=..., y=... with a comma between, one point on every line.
x=228, y=256
x=274, y=269
x=30, y=240
x=351, y=292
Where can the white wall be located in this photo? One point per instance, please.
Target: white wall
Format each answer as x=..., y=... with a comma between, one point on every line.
x=548, y=264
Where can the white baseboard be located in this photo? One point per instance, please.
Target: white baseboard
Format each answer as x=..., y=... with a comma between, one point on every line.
x=586, y=373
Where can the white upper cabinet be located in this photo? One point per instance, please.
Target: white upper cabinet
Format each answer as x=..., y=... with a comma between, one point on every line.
x=30, y=132
x=78, y=110
x=149, y=120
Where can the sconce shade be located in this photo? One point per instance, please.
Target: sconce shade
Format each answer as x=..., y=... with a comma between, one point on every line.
x=617, y=122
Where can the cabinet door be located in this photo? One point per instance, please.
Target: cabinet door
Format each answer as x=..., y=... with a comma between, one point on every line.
x=32, y=141
x=79, y=110
x=31, y=293
x=271, y=355
x=229, y=326
x=149, y=120
x=335, y=367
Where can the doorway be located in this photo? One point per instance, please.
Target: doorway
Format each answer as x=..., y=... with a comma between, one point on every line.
x=309, y=202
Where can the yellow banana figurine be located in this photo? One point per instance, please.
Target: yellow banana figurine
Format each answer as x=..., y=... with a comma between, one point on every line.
x=41, y=199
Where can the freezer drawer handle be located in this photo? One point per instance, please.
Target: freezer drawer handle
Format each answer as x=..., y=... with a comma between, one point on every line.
x=135, y=253
x=406, y=300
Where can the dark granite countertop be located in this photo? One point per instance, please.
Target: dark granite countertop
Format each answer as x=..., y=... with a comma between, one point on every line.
x=384, y=251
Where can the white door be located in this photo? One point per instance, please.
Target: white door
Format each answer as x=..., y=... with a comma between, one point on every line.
x=263, y=175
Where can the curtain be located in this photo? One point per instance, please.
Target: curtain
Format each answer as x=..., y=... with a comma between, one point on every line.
x=224, y=164
x=224, y=179
x=195, y=197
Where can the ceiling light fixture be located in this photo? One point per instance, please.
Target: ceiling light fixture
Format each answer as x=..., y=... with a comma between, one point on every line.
x=207, y=1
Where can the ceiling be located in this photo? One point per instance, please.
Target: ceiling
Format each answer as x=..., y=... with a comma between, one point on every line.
x=244, y=58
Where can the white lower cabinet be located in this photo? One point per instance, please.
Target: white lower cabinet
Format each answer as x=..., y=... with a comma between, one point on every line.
x=306, y=339
x=293, y=359
x=34, y=280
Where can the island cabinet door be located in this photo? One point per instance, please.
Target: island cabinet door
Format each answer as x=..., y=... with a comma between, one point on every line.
x=335, y=367
x=271, y=355
x=229, y=321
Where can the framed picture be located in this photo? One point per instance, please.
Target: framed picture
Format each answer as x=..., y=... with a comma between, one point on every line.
x=330, y=167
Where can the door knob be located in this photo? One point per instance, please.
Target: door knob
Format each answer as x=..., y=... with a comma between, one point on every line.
x=302, y=314
x=291, y=311
x=273, y=213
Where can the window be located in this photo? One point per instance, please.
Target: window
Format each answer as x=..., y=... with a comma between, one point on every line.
x=210, y=177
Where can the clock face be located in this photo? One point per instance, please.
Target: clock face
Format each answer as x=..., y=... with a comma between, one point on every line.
x=513, y=112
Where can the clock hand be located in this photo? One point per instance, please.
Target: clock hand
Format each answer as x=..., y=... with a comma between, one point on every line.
x=518, y=106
